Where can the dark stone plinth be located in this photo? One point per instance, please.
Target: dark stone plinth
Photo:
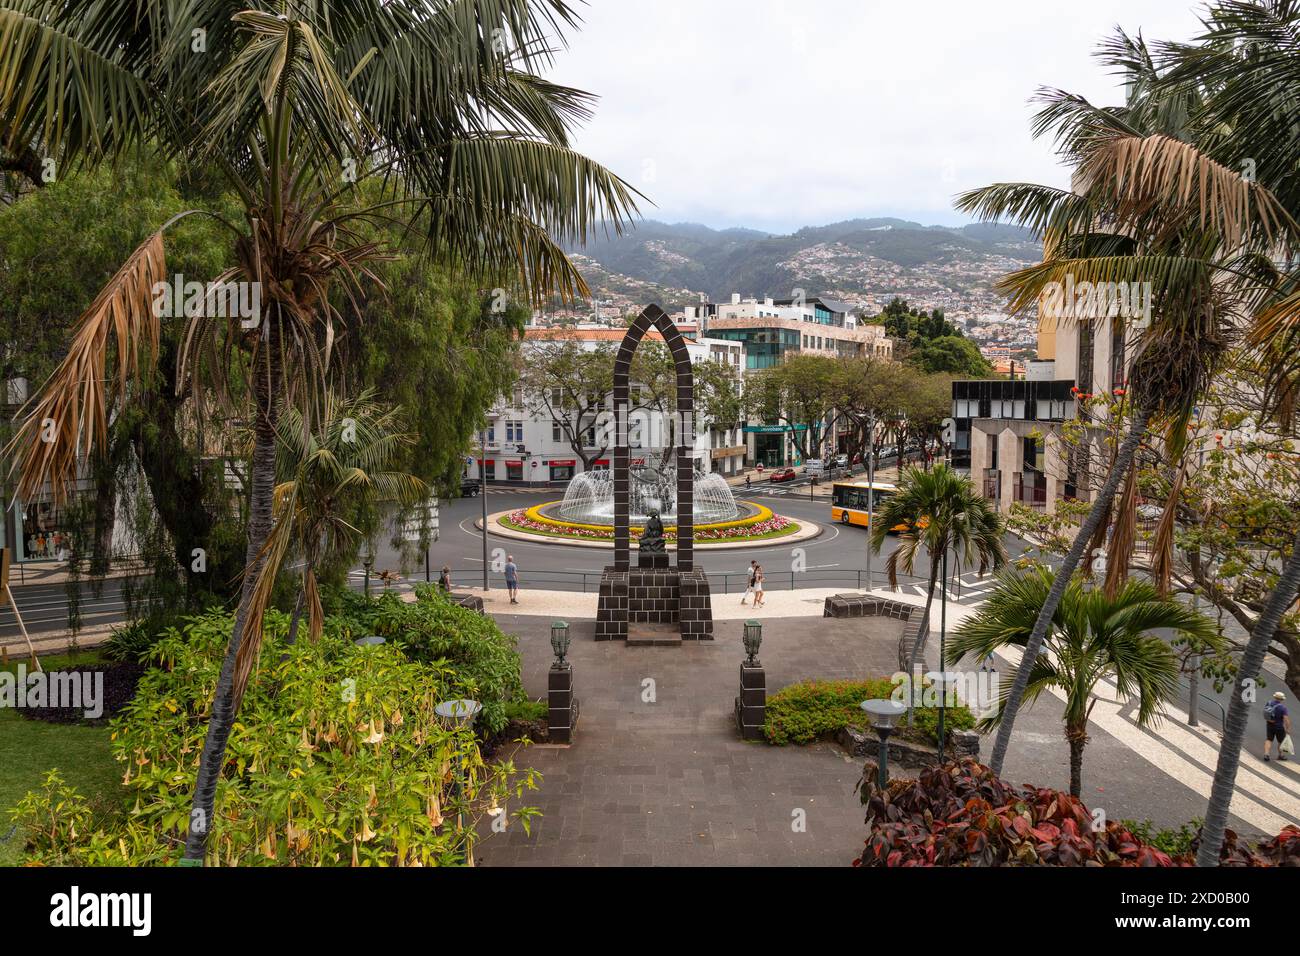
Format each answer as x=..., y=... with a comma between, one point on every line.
x=695, y=610
x=654, y=596
x=751, y=703
x=652, y=559
x=863, y=742
x=611, y=606
x=562, y=715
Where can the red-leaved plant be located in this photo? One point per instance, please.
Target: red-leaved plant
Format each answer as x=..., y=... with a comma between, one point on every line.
x=962, y=814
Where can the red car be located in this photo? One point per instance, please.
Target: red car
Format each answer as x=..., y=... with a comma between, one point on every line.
x=783, y=474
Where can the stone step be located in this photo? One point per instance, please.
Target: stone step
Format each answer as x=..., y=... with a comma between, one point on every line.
x=642, y=634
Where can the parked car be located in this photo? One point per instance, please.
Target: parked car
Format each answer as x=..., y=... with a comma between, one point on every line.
x=470, y=489
x=841, y=461
x=783, y=474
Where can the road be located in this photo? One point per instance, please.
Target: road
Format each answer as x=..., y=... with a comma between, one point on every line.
x=835, y=558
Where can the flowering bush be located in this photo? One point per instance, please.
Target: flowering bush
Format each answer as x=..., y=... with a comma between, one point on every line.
x=337, y=758
x=962, y=814
x=523, y=520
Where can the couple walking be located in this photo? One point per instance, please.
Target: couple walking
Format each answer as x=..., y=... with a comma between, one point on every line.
x=755, y=585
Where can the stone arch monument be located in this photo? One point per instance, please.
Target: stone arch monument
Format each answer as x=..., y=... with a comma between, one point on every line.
x=654, y=602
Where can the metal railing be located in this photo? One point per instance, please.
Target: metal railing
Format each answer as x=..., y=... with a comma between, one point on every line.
x=720, y=582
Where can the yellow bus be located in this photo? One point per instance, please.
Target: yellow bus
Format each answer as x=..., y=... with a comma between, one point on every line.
x=849, y=501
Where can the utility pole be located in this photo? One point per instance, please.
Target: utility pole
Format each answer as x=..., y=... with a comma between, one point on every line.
x=871, y=498
x=482, y=475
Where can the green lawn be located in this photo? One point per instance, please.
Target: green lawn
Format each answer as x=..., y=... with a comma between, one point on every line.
x=29, y=748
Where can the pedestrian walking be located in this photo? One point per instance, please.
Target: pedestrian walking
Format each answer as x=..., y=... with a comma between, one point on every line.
x=749, y=583
x=444, y=578
x=1277, y=726
x=748, y=484
x=758, y=585
x=512, y=578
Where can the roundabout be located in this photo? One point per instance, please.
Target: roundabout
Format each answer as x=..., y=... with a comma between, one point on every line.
x=755, y=526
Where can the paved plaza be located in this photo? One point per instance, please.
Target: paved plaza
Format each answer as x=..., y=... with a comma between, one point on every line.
x=659, y=776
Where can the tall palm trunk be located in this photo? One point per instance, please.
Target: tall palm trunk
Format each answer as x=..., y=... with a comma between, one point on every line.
x=1123, y=462
x=921, y=635
x=266, y=388
x=1077, y=737
x=1252, y=661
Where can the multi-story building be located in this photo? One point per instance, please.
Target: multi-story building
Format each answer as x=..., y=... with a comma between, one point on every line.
x=772, y=331
x=1008, y=432
x=524, y=444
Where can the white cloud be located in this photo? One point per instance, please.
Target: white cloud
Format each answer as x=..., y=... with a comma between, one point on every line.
x=782, y=113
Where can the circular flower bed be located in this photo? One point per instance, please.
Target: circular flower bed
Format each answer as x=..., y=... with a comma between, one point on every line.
x=762, y=524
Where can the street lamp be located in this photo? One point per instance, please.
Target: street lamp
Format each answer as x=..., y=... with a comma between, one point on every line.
x=884, y=716
x=458, y=713
x=753, y=639
x=560, y=643
x=944, y=680
x=482, y=474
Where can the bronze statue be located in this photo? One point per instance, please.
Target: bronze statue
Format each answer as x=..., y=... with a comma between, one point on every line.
x=652, y=538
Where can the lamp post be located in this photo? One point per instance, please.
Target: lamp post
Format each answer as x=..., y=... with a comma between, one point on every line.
x=871, y=498
x=560, y=643
x=368, y=564
x=945, y=680
x=482, y=476
x=753, y=640
x=884, y=716
x=459, y=714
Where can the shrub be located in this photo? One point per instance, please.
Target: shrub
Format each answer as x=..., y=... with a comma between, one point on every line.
x=811, y=710
x=962, y=814
x=434, y=630
x=1174, y=842
x=336, y=758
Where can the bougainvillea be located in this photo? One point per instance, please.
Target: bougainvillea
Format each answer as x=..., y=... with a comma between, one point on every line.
x=962, y=814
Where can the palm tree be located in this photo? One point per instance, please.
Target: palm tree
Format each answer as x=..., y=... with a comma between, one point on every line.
x=293, y=105
x=327, y=476
x=1149, y=207
x=940, y=512
x=1247, y=60
x=1093, y=636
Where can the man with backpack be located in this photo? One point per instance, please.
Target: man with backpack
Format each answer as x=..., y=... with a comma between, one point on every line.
x=1277, y=726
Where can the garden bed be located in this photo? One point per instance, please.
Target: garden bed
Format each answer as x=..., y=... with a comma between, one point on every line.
x=764, y=524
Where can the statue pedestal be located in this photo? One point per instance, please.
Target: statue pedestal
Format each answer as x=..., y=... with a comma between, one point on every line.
x=657, y=560
x=654, y=594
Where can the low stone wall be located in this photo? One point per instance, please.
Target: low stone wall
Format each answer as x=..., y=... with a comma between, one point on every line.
x=855, y=604
x=472, y=601
x=863, y=742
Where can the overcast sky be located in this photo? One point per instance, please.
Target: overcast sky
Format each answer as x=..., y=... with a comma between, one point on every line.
x=777, y=114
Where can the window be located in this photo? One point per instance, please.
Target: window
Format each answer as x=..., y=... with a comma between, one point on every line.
x=557, y=432
x=514, y=471
x=492, y=433
x=515, y=432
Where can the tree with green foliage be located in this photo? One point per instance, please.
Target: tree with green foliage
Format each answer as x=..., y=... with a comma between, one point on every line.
x=802, y=393
x=444, y=105
x=1094, y=636
x=940, y=513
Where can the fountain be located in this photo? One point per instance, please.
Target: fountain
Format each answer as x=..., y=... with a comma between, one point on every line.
x=589, y=498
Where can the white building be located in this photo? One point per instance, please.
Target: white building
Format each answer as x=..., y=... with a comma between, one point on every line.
x=524, y=444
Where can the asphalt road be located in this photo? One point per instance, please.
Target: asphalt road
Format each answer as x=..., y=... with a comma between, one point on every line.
x=835, y=558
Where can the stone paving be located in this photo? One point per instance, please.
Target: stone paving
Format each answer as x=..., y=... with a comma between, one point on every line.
x=671, y=783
